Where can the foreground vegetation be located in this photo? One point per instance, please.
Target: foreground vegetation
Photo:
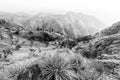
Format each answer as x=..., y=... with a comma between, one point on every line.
x=60, y=65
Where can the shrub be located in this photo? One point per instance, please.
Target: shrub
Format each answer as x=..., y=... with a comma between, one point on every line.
x=57, y=68
x=30, y=73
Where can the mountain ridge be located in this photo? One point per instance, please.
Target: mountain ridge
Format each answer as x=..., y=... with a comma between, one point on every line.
x=72, y=24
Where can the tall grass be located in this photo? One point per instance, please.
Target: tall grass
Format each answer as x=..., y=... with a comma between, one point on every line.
x=14, y=71
x=57, y=68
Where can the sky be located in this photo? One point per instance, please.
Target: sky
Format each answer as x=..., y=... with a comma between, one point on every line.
x=108, y=11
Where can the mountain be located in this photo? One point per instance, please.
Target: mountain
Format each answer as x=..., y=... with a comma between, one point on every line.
x=70, y=24
x=73, y=25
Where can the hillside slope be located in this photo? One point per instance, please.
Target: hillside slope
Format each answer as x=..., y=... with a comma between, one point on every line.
x=113, y=29
x=71, y=24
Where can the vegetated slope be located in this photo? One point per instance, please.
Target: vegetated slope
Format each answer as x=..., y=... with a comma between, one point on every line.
x=114, y=29
x=105, y=49
x=37, y=62
x=71, y=24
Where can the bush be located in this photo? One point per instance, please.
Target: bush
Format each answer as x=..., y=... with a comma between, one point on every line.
x=55, y=67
